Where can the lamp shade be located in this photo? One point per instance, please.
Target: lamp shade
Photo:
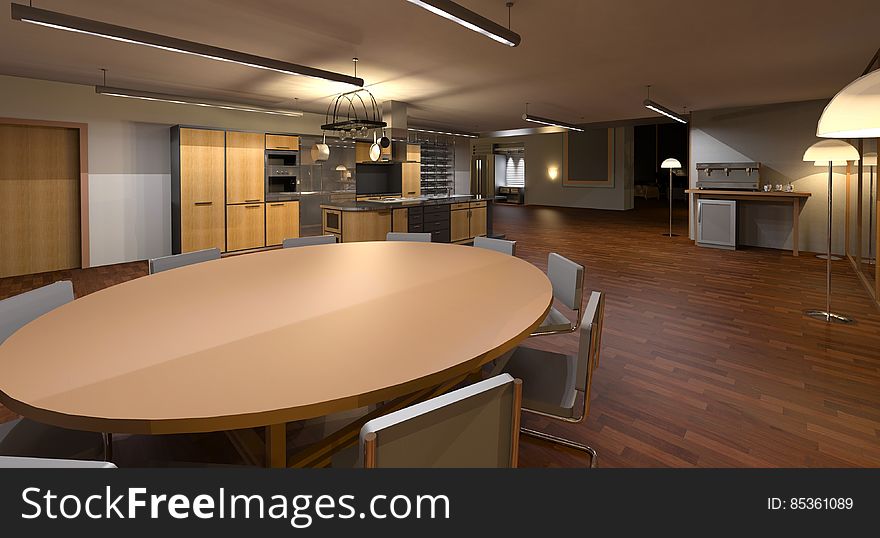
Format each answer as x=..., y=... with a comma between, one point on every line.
x=824, y=164
x=870, y=159
x=827, y=151
x=670, y=163
x=855, y=111
x=341, y=168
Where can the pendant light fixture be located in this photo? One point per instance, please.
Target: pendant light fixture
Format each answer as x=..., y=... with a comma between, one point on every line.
x=189, y=100
x=61, y=21
x=472, y=21
x=547, y=121
x=446, y=133
x=660, y=109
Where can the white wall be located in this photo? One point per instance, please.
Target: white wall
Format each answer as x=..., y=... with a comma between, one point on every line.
x=545, y=150
x=776, y=136
x=129, y=157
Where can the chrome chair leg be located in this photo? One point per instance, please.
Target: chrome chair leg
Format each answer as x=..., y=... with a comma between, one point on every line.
x=594, y=457
x=108, y=446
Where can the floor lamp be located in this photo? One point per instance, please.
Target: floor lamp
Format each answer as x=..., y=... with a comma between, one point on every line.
x=870, y=160
x=670, y=164
x=830, y=153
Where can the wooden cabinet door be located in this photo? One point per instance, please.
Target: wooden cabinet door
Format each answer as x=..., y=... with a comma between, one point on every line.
x=202, y=219
x=245, y=168
x=400, y=220
x=460, y=226
x=245, y=226
x=285, y=142
x=412, y=180
x=282, y=222
x=478, y=221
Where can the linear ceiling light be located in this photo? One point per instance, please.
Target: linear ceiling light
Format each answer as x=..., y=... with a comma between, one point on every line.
x=552, y=123
x=470, y=20
x=70, y=23
x=187, y=100
x=447, y=133
x=660, y=109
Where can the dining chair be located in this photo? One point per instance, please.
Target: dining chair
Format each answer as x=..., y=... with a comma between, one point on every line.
x=553, y=382
x=417, y=237
x=15, y=462
x=500, y=245
x=474, y=426
x=309, y=241
x=165, y=263
x=567, y=278
x=24, y=437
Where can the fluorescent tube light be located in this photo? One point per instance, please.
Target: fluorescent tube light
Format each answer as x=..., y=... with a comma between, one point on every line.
x=187, y=100
x=61, y=21
x=551, y=123
x=660, y=109
x=472, y=21
x=447, y=133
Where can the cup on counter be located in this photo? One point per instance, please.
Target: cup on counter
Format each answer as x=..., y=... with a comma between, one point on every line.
x=767, y=188
x=779, y=187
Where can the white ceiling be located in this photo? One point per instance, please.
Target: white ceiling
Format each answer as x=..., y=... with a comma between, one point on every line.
x=580, y=60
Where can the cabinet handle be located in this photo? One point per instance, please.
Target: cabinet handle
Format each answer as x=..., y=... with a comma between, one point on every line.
x=252, y=206
x=282, y=147
x=250, y=201
x=204, y=203
x=276, y=205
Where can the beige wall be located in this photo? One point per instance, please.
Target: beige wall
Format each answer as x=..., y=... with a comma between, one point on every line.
x=776, y=136
x=129, y=156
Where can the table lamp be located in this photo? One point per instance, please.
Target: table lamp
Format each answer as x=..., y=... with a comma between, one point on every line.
x=870, y=160
x=670, y=164
x=830, y=153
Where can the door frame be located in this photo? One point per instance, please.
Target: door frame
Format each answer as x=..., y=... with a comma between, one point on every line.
x=83, y=129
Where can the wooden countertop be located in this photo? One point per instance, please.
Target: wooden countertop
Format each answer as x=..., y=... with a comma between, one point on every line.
x=272, y=337
x=753, y=194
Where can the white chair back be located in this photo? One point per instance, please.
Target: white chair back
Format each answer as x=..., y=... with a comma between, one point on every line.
x=417, y=237
x=590, y=340
x=15, y=462
x=475, y=426
x=18, y=311
x=294, y=242
x=499, y=245
x=567, y=278
x=165, y=263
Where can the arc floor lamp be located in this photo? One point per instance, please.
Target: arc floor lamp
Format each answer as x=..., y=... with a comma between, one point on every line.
x=670, y=164
x=830, y=153
x=870, y=160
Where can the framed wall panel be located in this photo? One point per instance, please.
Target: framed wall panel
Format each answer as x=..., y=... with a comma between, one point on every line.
x=588, y=158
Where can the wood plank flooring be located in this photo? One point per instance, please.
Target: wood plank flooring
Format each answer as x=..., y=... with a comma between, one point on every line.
x=706, y=358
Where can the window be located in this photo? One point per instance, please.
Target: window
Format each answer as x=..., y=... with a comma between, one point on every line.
x=515, y=176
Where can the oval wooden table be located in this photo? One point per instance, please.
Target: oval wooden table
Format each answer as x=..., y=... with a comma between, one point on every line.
x=263, y=339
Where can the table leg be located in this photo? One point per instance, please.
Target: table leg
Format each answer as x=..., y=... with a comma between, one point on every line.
x=694, y=208
x=795, y=221
x=276, y=446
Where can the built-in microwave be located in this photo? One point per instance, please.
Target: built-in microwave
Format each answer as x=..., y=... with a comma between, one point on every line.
x=282, y=174
x=333, y=221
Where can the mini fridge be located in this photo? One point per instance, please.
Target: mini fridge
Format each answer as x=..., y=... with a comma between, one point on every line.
x=716, y=224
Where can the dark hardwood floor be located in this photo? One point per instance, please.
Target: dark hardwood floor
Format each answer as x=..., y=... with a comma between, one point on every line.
x=706, y=359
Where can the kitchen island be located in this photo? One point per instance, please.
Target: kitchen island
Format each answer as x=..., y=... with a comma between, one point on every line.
x=452, y=219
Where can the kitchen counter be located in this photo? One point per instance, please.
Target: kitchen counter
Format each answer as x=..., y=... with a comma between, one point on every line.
x=403, y=203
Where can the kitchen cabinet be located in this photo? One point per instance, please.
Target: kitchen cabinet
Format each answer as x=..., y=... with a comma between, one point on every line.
x=245, y=226
x=355, y=226
x=198, y=168
x=400, y=221
x=468, y=220
x=411, y=183
x=285, y=142
x=716, y=223
x=362, y=153
x=245, y=168
x=282, y=222
x=413, y=153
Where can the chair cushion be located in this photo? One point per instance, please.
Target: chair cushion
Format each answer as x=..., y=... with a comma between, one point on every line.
x=555, y=321
x=28, y=438
x=548, y=380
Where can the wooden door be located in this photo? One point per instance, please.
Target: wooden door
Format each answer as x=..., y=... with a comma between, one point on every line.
x=478, y=221
x=245, y=167
x=400, y=220
x=282, y=222
x=39, y=199
x=245, y=226
x=459, y=224
x=412, y=180
x=202, y=218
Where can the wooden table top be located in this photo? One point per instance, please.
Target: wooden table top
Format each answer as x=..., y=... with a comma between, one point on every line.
x=750, y=194
x=272, y=337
